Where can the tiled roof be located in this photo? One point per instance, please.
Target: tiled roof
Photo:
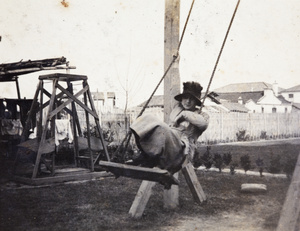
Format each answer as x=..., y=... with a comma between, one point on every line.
x=283, y=100
x=234, y=96
x=243, y=87
x=292, y=89
x=157, y=101
x=296, y=105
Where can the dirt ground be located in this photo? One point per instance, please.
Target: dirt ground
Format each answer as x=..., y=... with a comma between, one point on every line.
x=103, y=204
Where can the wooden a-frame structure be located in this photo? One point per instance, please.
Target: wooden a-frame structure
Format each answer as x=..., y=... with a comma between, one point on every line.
x=61, y=98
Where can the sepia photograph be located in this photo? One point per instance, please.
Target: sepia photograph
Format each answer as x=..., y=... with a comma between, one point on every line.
x=168, y=115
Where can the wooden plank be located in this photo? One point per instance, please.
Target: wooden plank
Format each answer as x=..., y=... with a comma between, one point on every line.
x=291, y=207
x=96, y=144
x=63, y=77
x=33, y=69
x=193, y=183
x=75, y=176
x=141, y=199
x=142, y=173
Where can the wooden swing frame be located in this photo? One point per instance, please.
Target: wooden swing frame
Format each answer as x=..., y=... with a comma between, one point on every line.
x=188, y=171
x=42, y=144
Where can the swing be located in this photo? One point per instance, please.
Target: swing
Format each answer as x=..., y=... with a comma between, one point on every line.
x=155, y=174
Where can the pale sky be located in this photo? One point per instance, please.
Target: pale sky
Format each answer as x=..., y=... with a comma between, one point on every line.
x=112, y=41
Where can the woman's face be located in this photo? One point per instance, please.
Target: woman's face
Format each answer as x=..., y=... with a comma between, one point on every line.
x=188, y=102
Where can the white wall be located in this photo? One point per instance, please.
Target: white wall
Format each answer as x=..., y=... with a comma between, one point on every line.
x=295, y=99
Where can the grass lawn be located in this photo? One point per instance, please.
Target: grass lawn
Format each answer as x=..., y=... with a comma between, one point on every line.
x=103, y=204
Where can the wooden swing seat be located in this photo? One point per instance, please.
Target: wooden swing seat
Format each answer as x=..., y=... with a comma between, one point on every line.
x=137, y=172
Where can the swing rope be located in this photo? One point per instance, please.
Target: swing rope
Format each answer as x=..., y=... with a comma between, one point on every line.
x=219, y=56
x=129, y=133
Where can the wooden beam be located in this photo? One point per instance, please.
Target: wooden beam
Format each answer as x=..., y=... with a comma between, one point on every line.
x=193, y=183
x=62, y=106
x=75, y=175
x=141, y=199
x=291, y=207
x=18, y=88
x=97, y=124
x=74, y=98
x=44, y=133
x=34, y=69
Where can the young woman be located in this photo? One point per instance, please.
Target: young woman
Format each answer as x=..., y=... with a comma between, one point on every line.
x=166, y=146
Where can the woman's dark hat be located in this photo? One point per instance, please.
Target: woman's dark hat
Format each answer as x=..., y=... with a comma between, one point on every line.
x=193, y=89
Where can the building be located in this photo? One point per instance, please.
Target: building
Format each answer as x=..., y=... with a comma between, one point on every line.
x=258, y=97
x=212, y=105
x=104, y=102
x=292, y=94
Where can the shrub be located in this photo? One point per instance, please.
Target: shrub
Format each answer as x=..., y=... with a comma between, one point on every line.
x=245, y=162
x=289, y=166
x=275, y=165
x=227, y=158
x=197, y=161
x=218, y=161
x=242, y=136
x=207, y=159
x=263, y=135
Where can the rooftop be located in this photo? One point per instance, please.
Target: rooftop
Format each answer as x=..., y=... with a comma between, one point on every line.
x=245, y=87
x=292, y=89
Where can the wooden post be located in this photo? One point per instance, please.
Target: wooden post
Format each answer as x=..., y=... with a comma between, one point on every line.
x=291, y=208
x=18, y=88
x=171, y=196
x=172, y=79
x=44, y=132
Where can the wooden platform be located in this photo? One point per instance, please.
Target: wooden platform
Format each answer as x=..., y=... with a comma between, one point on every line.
x=61, y=175
x=137, y=172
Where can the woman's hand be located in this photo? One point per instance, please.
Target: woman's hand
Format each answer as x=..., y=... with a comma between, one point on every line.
x=178, y=119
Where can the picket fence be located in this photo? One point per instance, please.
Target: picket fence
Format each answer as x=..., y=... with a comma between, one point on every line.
x=225, y=127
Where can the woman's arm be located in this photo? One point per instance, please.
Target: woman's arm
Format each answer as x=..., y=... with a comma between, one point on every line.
x=197, y=118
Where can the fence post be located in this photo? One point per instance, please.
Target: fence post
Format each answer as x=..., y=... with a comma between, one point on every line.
x=221, y=126
x=277, y=125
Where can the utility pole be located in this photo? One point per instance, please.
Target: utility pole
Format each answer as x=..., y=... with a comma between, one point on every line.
x=172, y=79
